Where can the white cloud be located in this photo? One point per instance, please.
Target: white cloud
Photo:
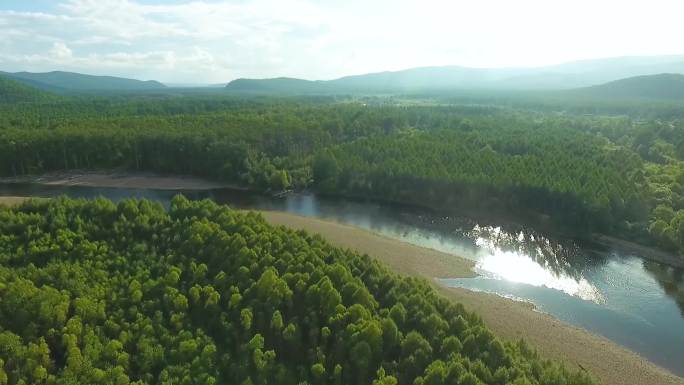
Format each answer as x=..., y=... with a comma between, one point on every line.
x=214, y=41
x=61, y=52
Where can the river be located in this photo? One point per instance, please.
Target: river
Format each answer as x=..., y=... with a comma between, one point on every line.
x=632, y=301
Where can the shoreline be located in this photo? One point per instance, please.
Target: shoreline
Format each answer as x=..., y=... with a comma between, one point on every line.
x=511, y=320
x=401, y=257
x=150, y=180
x=651, y=253
x=654, y=254
x=121, y=179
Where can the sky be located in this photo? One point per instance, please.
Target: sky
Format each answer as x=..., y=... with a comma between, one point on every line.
x=215, y=41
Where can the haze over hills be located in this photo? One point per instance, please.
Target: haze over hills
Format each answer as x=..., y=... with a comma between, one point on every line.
x=59, y=81
x=563, y=76
x=567, y=76
x=661, y=86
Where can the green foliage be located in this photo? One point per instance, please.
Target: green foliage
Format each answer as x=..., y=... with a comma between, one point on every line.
x=101, y=293
x=582, y=174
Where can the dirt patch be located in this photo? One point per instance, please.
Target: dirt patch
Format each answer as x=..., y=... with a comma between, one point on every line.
x=512, y=320
x=120, y=180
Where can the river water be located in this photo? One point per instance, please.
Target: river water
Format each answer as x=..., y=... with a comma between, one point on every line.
x=632, y=301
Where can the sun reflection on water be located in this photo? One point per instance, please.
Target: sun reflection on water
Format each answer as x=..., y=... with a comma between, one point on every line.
x=531, y=265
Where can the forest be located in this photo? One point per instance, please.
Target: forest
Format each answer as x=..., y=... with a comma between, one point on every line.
x=131, y=293
x=617, y=174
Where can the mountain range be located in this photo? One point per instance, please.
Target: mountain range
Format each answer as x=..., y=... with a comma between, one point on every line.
x=557, y=77
x=626, y=77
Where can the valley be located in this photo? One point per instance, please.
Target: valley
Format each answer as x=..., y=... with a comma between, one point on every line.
x=552, y=214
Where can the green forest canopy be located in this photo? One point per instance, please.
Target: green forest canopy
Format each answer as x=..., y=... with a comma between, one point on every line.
x=100, y=293
x=620, y=175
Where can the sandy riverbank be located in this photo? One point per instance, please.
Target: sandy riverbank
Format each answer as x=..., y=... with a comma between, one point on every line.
x=611, y=363
x=400, y=256
x=146, y=180
x=120, y=180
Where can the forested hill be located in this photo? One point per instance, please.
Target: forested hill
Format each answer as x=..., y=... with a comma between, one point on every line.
x=662, y=86
x=70, y=81
x=98, y=293
x=12, y=91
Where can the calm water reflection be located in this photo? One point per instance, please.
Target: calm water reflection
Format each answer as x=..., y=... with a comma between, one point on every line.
x=531, y=259
x=635, y=302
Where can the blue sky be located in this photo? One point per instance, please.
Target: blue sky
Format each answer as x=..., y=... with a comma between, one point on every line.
x=215, y=41
x=35, y=5
x=49, y=5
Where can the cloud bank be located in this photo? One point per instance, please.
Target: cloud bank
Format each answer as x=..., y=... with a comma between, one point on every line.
x=216, y=41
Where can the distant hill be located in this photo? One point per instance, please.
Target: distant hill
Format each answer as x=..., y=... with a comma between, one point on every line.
x=426, y=78
x=12, y=91
x=661, y=86
x=280, y=85
x=563, y=76
x=70, y=81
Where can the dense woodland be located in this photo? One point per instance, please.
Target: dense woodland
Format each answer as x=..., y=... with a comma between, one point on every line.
x=129, y=293
x=620, y=175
